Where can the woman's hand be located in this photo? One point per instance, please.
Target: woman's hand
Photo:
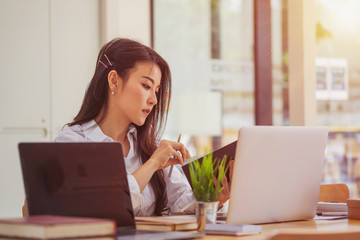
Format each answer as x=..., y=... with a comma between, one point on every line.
x=168, y=153
x=161, y=158
x=225, y=193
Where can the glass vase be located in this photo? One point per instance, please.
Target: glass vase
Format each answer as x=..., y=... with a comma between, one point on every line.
x=206, y=213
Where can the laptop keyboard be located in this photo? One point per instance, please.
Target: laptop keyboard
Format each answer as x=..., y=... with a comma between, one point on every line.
x=133, y=234
x=122, y=232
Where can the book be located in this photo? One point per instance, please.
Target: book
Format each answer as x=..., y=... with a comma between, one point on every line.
x=331, y=209
x=228, y=150
x=71, y=238
x=353, y=208
x=167, y=223
x=232, y=229
x=50, y=226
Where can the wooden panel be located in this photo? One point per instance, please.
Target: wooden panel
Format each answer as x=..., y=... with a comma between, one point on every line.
x=262, y=62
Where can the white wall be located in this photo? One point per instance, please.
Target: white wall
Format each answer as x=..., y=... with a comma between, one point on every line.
x=48, y=53
x=125, y=18
x=75, y=43
x=24, y=91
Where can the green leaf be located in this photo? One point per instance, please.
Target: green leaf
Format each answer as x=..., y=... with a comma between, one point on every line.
x=202, y=177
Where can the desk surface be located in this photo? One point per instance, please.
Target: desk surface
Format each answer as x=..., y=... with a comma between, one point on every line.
x=340, y=224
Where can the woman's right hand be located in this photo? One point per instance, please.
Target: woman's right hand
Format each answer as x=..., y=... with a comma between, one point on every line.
x=163, y=155
x=161, y=158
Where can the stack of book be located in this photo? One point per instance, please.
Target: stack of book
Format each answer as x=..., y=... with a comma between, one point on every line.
x=188, y=222
x=167, y=223
x=331, y=209
x=57, y=227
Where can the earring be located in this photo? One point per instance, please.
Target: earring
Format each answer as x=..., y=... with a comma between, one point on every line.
x=112, y=92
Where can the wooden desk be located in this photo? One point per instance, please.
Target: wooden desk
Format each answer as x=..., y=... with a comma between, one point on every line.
x=340, y=224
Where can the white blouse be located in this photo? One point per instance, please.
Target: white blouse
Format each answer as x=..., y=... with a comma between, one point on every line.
x=180, y=195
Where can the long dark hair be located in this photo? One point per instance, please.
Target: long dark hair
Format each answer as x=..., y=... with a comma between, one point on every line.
x=122, y=55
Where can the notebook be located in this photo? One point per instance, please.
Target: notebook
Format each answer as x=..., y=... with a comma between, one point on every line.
x=232, y=229
x=84, y=180
x=277, y=174
x=228, y=150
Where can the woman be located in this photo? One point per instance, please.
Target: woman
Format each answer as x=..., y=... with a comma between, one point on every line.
x=127, y=101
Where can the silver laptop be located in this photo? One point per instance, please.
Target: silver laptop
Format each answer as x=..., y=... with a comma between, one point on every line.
x=277, y=174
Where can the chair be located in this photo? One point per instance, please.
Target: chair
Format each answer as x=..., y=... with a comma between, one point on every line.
x=313, y=234
x=25, y=209
x=337, y=192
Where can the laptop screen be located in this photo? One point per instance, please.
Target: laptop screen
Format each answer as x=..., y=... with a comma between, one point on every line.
x=77, y=179
x=277, y=173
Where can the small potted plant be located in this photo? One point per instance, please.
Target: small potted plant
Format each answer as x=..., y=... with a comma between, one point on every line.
x=207, y=178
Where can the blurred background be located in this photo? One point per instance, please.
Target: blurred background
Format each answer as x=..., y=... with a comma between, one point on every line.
x=234, y=63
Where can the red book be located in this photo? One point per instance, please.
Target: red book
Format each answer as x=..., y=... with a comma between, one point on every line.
x=50, y=226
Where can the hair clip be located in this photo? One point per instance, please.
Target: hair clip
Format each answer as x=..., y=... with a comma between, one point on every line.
x=108, y=59
x=103, y=64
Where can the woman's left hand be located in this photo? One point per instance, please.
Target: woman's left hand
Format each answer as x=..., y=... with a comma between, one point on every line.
x=225, y=193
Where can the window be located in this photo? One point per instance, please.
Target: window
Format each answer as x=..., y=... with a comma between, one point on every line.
x=338, y=88
x=209, y=47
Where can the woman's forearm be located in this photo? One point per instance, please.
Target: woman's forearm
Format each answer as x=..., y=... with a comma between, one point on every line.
x=144, y=173
x=166, y=154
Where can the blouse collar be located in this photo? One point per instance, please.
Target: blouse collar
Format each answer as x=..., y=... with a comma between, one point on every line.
x=93, y=132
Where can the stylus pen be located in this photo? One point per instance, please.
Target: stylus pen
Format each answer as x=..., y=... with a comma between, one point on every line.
x=172, y=166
